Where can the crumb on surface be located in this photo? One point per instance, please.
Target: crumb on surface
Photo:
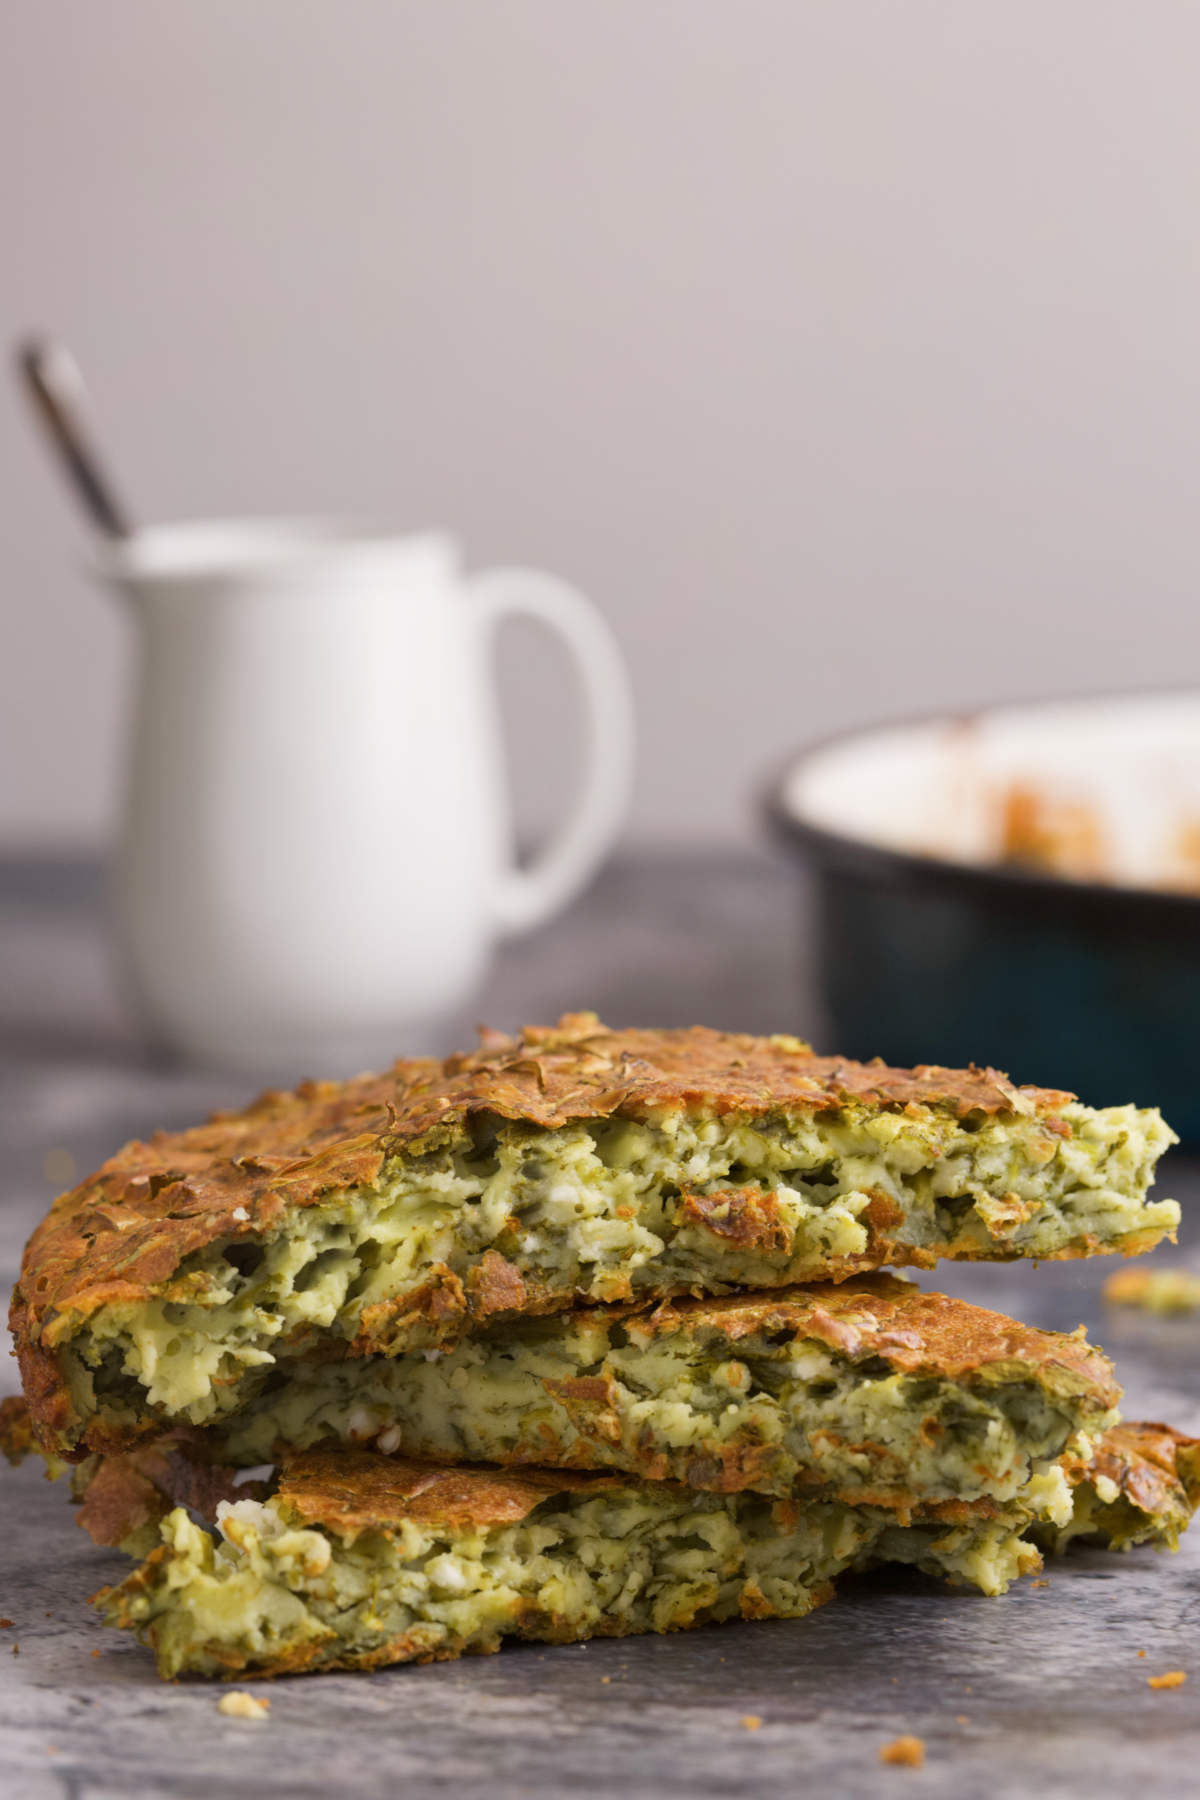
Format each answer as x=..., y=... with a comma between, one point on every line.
x=238, y=1704
x=1141, y=1653
x=962, y=1718
x=1039, y=1583
x=6, y=1624
x=1162, y=1291
x=750, y=1721
x=604, y=1680
x=96, y=1651
x=16, y=1649
x=904, y=1753
x=1172, y=1678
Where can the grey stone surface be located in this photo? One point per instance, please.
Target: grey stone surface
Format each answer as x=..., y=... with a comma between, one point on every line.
x=1041, y=1692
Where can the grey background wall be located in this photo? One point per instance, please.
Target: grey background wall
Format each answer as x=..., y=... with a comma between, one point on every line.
x=848, y=354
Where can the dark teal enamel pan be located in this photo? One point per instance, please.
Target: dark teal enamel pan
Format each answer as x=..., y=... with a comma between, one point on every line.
x=1062, y=983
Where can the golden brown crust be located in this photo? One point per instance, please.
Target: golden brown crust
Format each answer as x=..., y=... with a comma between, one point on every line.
x=879, y=1315
x=1156, y=1467
x=350, y=1491
x=1141, y=1487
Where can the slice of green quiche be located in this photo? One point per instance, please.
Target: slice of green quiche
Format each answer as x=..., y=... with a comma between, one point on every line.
x=358, y=1560
x=871, y=1390
x=408, y=1210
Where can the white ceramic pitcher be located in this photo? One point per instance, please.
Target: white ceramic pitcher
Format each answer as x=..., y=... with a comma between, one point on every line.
x=315, y=860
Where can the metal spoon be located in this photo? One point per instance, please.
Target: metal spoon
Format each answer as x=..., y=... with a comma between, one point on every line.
x=52, y=377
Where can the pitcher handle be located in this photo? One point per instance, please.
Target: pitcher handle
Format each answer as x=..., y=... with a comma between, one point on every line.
x=527, y=897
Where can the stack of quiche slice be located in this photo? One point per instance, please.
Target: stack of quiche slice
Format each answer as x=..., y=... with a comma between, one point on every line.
x=583, y=1333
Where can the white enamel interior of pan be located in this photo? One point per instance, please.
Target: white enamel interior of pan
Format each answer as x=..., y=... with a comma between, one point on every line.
x=1128, y=767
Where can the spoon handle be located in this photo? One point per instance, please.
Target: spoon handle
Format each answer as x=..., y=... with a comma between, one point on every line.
x=56, y=386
